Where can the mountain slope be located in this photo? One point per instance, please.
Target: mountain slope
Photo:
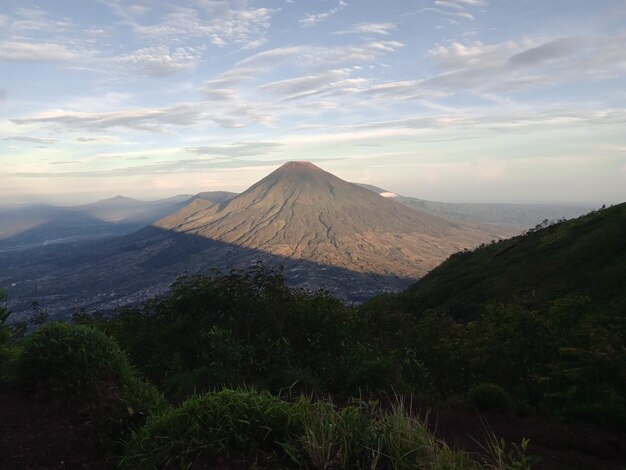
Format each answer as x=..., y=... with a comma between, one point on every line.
x=301, y=211
x=584, y=256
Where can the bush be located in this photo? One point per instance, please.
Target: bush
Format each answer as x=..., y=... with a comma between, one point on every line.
x=257, y=430
x=488, y=396
x=81, y=366
x=70, y=360
x=227, y=424
x=375, y=375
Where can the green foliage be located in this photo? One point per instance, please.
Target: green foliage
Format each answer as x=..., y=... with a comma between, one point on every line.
x=4, y=312
x=70, y=360
x=83, y=367
x=542, y=315
x=332, y=437
x=227, y=424
x=245, y=328
x=266, y=432
x=10, y=349
x=488, y=396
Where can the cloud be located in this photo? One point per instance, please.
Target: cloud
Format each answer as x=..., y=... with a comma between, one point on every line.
x=218, y=94
x=551, y=50
x=35, y=52
x=305, y=85
x=522, y=121
x=24, y=20
x=147, y=119
x=179, y=166
x=269, y=57
x=461, y=4
x=241, y=149
x=453, y=8
x=160, y=61
x=458, y=55
x=215, y=21
x=514, y=66
x=34, y=140
x=370, y=28
x=439, y=11
x=311, y=19
x=314, y=57
x=103, y=138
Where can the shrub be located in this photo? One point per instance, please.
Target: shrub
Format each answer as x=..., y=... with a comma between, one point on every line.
x=488, y=396
x=226, y=424
x=70, y=360
x=375, y=375
x=267, y=432
x=9, y=354
x=83, y=367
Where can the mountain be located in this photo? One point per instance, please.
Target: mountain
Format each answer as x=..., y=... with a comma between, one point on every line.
x=41, y=224
x=585, y=256
x=301, y=211
x=506, y=219
x=325, y=232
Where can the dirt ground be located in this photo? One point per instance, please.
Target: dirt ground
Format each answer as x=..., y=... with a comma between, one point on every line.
x=35, y=435
x=556, y=446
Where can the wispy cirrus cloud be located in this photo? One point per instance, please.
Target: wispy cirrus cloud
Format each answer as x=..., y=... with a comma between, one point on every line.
x=312, y=19
x=220, y=24
x=527, y=64
x=462, y=9
x=383, y=29
x=307, y=84
x=24, y=51
x=34, y=20
x=103, y=138
x=147, y=119
x=29, y=139
x=238, y=149
x=160, y=61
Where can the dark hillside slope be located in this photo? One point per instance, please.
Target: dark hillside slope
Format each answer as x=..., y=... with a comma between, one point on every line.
x=585, y=256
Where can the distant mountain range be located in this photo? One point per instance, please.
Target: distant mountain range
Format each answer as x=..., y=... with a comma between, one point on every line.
x=326, y=232
x=509, y=219
x=38, y=225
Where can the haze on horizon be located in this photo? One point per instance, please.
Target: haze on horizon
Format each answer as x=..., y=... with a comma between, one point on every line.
x=451, y=100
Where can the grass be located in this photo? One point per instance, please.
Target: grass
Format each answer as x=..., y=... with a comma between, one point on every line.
x=267, y=432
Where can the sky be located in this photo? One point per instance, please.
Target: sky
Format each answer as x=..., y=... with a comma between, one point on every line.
x=449, y=100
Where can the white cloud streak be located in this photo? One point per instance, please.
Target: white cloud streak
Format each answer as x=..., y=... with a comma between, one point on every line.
x=312, y=19
x=35, y=51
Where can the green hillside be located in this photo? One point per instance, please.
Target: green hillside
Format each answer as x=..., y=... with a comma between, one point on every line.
x=584, y=256
x=542, y=315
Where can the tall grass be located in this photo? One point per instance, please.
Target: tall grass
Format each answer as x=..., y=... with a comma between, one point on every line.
x=271, y=433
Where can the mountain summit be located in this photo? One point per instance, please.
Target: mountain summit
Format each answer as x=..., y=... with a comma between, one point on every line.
x=303, y=212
